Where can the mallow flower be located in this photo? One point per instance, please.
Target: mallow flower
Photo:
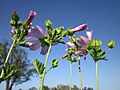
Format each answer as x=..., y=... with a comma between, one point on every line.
x=40, y=35
x=35, y=44
x=83, y=42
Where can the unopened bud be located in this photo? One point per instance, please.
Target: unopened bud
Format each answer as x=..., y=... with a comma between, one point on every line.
x=111, y=44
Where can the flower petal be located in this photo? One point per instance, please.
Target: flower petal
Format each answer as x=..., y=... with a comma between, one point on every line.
x=64, y=56
x=81, y=52
x=70, y=45
x=79, y=28
x=80, y=42
x=89, y=34
x=84, y=40
x=30, y=17
x=13, y=31
x=40, y=32
x=35, y=32
x=31, y=33
x=33, y=45
x=44, y=50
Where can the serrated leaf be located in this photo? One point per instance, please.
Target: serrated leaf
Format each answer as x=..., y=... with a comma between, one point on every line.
x=39, y=66
x=54, y=63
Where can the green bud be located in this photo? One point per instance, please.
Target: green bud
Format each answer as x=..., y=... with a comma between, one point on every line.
x=48, y=24
x=12, y=22
x=111, y=44
x=15, y=17
x=20, y=23
x=54, y=63
x=96, y=43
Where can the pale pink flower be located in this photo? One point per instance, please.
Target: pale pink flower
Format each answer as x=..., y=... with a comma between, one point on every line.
x=79, y=28
x=30, y=17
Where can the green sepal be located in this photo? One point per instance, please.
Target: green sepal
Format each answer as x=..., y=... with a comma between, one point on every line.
x=54, y=63
x=1, y=48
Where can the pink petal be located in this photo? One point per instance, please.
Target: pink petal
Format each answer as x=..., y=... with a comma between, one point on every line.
x=35, y=32
x=30, y=17
x=40, y=32
x=64, y=56
x=31, y=33
x=89, y=34
x=79, y=28
x=44, y=50
x=13, y=31
x=14, y=12
x=70, y=45
x=84, y=40
x=81, y=52
x=80, y=43
x=33, y=45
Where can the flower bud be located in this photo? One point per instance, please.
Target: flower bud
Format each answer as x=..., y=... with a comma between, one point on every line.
x=111, y=44
x=12, y=22
x=96, y=43
x=48, y=23
x=15, y=16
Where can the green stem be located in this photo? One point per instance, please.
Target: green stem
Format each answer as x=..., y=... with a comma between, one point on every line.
x=80, y=73
x=97, y=80
x=6, y=60
x=70, y=75
x=48, y=70
x=45, y=64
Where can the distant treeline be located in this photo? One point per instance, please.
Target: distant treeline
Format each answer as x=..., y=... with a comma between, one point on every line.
x=60, y=87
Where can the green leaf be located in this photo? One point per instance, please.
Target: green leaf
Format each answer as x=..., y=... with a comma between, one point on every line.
x=54, y=63
x=7, y=72
x=39, y=66
x=111, y=44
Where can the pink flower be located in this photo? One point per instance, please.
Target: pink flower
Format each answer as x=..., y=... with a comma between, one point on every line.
x=33, y=45
x=79, y=28
x=35, y=32
x=83, y=42
x=70, y=45
x=30, y=17
x=38, y=33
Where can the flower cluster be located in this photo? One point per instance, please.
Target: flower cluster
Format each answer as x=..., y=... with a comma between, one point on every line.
x=25, y=34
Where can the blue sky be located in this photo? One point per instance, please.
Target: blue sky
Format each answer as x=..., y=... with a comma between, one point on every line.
x=102, y=16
